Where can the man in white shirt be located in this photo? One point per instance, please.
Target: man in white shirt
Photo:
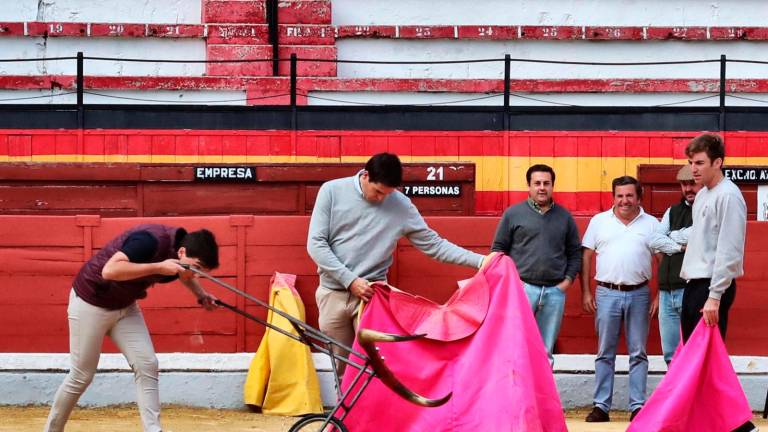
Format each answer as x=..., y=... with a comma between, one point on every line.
x=714, y=257
x=619, y=236
x=671, y=239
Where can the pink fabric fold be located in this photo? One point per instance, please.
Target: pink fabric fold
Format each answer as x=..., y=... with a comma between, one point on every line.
x=499, y=375
x=700, y=392
x=458, y=318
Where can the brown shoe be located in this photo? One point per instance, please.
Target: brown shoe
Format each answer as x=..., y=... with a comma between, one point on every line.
x=634, y=414
x=597, y=416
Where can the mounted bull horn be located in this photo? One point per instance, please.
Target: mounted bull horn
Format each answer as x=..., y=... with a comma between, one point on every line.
x=367, y=339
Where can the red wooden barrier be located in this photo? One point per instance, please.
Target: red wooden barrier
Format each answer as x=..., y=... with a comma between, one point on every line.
x=40, y=256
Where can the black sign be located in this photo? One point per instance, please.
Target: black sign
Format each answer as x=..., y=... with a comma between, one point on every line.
x=432, y=190
x=747, y=175
x=225, y=174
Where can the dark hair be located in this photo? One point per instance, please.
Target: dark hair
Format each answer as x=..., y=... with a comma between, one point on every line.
x=539, y=168
x=627, y=180
x=710, y=143
x=385, y=168
x=202, y=245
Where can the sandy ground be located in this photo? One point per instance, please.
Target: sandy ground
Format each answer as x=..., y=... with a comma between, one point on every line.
x=181, y=419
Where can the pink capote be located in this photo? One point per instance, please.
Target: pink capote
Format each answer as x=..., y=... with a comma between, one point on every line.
x=499, y=374
x=700, y=392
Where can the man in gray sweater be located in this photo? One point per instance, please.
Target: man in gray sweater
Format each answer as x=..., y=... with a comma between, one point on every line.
x=542, y=238
x=714, y=257
x=355, y=226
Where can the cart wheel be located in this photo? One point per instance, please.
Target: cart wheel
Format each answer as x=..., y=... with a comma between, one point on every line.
x=312, y=423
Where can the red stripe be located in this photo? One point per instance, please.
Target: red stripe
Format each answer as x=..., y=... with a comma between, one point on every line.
x=493, y=203
x=233, y=79
x=363, y=143
x=118, y=30
x=317, y=14
x=50, y=29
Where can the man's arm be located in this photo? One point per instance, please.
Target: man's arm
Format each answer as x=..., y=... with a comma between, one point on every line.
x=318, y=241
x=120, y=268
x=680, y=236
x=502, y=241
x=729, y=255
x=587, y=300
x=429, y=242
x=573, y=253
x=207, y=300
x=660, y=240
x=730, y=245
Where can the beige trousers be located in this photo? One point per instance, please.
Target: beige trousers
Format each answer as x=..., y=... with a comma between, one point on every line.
x=338, y=318
x=88, y=325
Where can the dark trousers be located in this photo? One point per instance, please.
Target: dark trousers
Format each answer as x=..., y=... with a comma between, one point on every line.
x=695, y=295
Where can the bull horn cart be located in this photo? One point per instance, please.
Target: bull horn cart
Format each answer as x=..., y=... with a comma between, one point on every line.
x=369, y=365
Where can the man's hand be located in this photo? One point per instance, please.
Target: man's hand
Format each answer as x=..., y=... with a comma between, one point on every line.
x=361, y=289
x=711, y=311
x=208, y=301
x=654, y=307
x=170, y=267
x=487, y=259
x=588, y=301
x=564, y=285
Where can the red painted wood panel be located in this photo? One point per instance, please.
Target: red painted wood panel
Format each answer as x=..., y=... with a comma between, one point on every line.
x=33, y=308
x=227, y=11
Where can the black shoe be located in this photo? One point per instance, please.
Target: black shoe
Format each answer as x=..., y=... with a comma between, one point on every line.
x=597, y=416
x=634, y=414
x=746, y=427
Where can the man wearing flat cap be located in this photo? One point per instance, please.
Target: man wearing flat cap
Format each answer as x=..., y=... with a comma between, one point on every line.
x=671, y=239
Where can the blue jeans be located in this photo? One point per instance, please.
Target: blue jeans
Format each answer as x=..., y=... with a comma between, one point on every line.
x=547, y=304
x=612, y=307
x=670, y=308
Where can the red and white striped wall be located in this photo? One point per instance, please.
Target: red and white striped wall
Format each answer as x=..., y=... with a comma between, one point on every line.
x=409, y=30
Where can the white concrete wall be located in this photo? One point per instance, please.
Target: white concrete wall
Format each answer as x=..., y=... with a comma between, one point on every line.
x=142, y=48
x=106, y=11
x=538, y=99
x=216, y=380
x=126, y=97
x=584, y=51
x=552, y=12
x=658, y=13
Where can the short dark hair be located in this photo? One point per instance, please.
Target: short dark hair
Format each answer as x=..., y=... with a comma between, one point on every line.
x=202, y=245
x=710, y=143
x=627, y=180
x=385, y=168
x=539, y=168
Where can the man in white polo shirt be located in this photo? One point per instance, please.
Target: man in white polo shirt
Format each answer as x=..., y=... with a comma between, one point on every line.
x=619, y=236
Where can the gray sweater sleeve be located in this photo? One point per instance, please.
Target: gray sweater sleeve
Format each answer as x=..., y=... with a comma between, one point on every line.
x=730, y=244
x=572, y=250
x=317, y=240
x=502, y=241
x=429, y=242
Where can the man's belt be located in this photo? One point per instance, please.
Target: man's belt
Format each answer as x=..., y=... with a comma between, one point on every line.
x=618, y=287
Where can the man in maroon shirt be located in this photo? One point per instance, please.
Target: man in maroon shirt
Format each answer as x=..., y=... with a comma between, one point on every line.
x=103, y=302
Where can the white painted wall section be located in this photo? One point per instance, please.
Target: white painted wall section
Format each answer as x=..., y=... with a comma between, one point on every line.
x=582, y=51
x=216, y=380
x=141, y=48
x=537, y=99
x=551, y=12
x=103, y=11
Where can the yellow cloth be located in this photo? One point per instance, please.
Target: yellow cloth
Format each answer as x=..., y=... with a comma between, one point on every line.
x=282, y=379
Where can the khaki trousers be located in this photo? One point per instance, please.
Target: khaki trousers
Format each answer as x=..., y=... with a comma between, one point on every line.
x=88, y=325
x=338, y=318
